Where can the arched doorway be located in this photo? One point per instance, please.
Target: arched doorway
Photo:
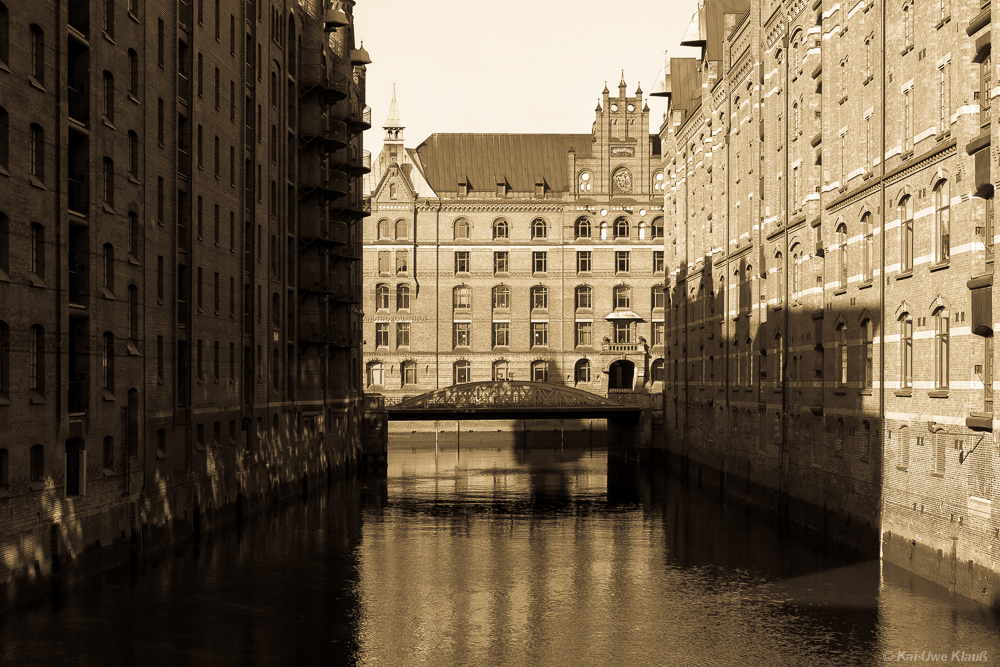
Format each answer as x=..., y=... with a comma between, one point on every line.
x=621, y=374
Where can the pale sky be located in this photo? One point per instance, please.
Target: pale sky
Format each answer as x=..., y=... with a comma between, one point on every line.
x=513, y=66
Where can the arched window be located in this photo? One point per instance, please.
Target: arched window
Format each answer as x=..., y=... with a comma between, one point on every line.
x=461, y=228
x=133, y=73
x=905, y=351
x=540, y=371
x=4, y=139
x=658, y=228
x=4, y=34
x=501, y=370
x=841, y=355
x=36, y=250
x=108, y=282
x=942, y=221
x=461, y=372
x=383, y=229
x=402, y=297
x=779, y=358
x=656, y=370
x=604, y=230
x=501, y=229
x=408, y=373
x=582, y=230
x=37, y=54
x=584, y=297
x=779, y=278
x=381, y=297
x=905, y=209
x=36, y=145
x=133, y=154
x=109, y=96
x=658, y=183
x=109, y=183
x=402, y=229
x=392, y=191
x=868, y=331
x=36, y=359
x=585, y=182
x=657, y=296
x=904, y=447
x=841, y=255
x=539, y=297
x=36, y=470
x=461, y=297
x=501, y=297
x=376, y=376
x=108, y=363
x=621, y=228
x=795, y=272
x=539, y=229
x=581, y=371
x=736, y=362
x=623, y=297
x=942, y=341
x=868, y=253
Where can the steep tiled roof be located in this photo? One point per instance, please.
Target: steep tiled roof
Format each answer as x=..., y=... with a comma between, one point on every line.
x=522, y=159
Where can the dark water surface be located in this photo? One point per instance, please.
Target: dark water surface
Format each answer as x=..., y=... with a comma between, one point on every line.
x=493, y=554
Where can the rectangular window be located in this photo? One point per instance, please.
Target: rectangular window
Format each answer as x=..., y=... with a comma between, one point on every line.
x=658, y=263
x=462, y=261
x=539, y=334
x=501, y=262
x=216, y=292
x=382, y=334
x=941, y=351
x=621, y=261
x=658, y=333
x=584, y=334
x=402, y=334
x=623, y=332
x=402, y=261
x=501, y=334
x=461, y=332
x=907, y=122
x=539, y=262
x=160, y=57
x=583, y=261
x=383, y=261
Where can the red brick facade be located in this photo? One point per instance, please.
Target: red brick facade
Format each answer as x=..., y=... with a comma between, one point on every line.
x=829, y=241
x=165, y=296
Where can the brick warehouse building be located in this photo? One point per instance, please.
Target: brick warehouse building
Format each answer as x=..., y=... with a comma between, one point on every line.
x=829, y=244
x=522, y=256
x=180, y=184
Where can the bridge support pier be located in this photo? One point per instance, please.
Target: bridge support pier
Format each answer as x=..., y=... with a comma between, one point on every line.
x=631, y=436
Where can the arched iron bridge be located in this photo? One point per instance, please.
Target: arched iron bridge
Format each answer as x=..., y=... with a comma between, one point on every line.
x=514, y=400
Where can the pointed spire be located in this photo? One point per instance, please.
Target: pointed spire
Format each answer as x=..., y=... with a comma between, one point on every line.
x=638, y=89
x=623, y=79
x=598, y=109
x=393, y=125
x=606, y=91
x=661, y=85
x=645, y=107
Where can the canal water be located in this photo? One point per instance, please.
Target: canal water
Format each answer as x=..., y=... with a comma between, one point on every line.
x=503, y=549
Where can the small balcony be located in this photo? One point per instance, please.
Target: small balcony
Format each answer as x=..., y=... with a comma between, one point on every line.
x=79, y=196
x=79, y=16
x=77, y=398
x=79, y=105
x=620, y=348
x=183, y=88
x=361, y=118
x=79, y=292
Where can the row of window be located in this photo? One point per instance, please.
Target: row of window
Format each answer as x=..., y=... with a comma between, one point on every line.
x=539, y=297
x=501, y=262
x=621, y=229
x=742, y=371
x=623, y=333
x=500, y=370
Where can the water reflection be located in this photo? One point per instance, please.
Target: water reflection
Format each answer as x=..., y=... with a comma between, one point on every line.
x=497, y=551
